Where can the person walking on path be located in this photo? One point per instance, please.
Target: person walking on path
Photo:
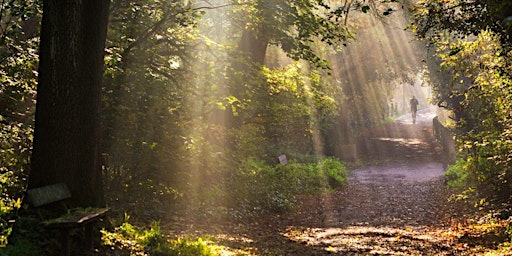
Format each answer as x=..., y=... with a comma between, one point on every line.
x=414, y=108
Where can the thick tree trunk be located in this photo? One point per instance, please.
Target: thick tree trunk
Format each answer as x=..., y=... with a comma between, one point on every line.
x=254, y=46
x=67, y=138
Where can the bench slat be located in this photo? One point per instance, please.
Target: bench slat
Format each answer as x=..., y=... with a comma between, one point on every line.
x=77, y=218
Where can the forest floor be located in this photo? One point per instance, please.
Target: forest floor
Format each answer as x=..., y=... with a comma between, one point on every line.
x=397, y=205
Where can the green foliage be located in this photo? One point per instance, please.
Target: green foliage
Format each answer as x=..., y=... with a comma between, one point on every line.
x=286, y=112
x=457, y=174
x=189, y=247
x=298, y=27
x=461, y=17
x=260, y=187
x=132, y=240
x=135, y=193
x=292, y=25
x=30, y=238
x=484, y=114
x=14, y=155
x=21, y=247
x=145, y=108
x=177, y=124
x=473, y=45
x=334, y=171
x=7, y=213
x=162, y=122
x=18, y=63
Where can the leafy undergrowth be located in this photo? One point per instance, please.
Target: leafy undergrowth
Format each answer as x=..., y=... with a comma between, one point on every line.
x=128, y=239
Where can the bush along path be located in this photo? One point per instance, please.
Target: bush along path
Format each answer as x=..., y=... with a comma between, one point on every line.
x=398, y=205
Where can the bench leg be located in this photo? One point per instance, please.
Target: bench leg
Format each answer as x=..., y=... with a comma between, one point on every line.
x=89, y=237
x=66, y=242
x=87, y=243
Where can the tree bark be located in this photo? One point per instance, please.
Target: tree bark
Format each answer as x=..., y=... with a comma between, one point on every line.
x=67, y=124
x=254, y=46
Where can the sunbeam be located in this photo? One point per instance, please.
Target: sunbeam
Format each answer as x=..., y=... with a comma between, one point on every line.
x=255, y=127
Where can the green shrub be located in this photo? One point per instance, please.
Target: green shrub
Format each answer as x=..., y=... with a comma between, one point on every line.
x=457, y=175
x=21, y=247
x=259, y=187
x=188, y=247
x=30, y=238
x=334, y=170
x=132, y=240
x=477, y=178
x=15, y=143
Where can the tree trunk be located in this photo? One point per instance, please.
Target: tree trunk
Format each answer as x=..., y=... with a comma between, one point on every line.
x=67, y=128
x=254, y=46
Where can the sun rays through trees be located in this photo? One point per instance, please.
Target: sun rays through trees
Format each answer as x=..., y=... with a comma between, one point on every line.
x=224, y=111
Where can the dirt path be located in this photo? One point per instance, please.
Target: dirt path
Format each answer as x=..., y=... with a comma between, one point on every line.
x=396, y=206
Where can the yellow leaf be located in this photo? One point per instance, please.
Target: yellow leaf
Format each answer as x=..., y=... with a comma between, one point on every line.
x=17, y=204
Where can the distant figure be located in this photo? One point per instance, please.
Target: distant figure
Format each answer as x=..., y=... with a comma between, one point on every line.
x=414, y=108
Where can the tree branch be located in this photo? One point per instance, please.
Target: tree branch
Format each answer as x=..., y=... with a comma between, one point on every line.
x=216, y=7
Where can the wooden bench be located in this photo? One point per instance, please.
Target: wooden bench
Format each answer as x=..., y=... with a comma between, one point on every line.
x=57, y=194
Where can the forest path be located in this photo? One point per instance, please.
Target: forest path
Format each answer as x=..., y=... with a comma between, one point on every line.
x=397, y=205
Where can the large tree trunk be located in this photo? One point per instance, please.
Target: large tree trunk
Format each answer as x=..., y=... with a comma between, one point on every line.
x=254, y=46
x=67, y=138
